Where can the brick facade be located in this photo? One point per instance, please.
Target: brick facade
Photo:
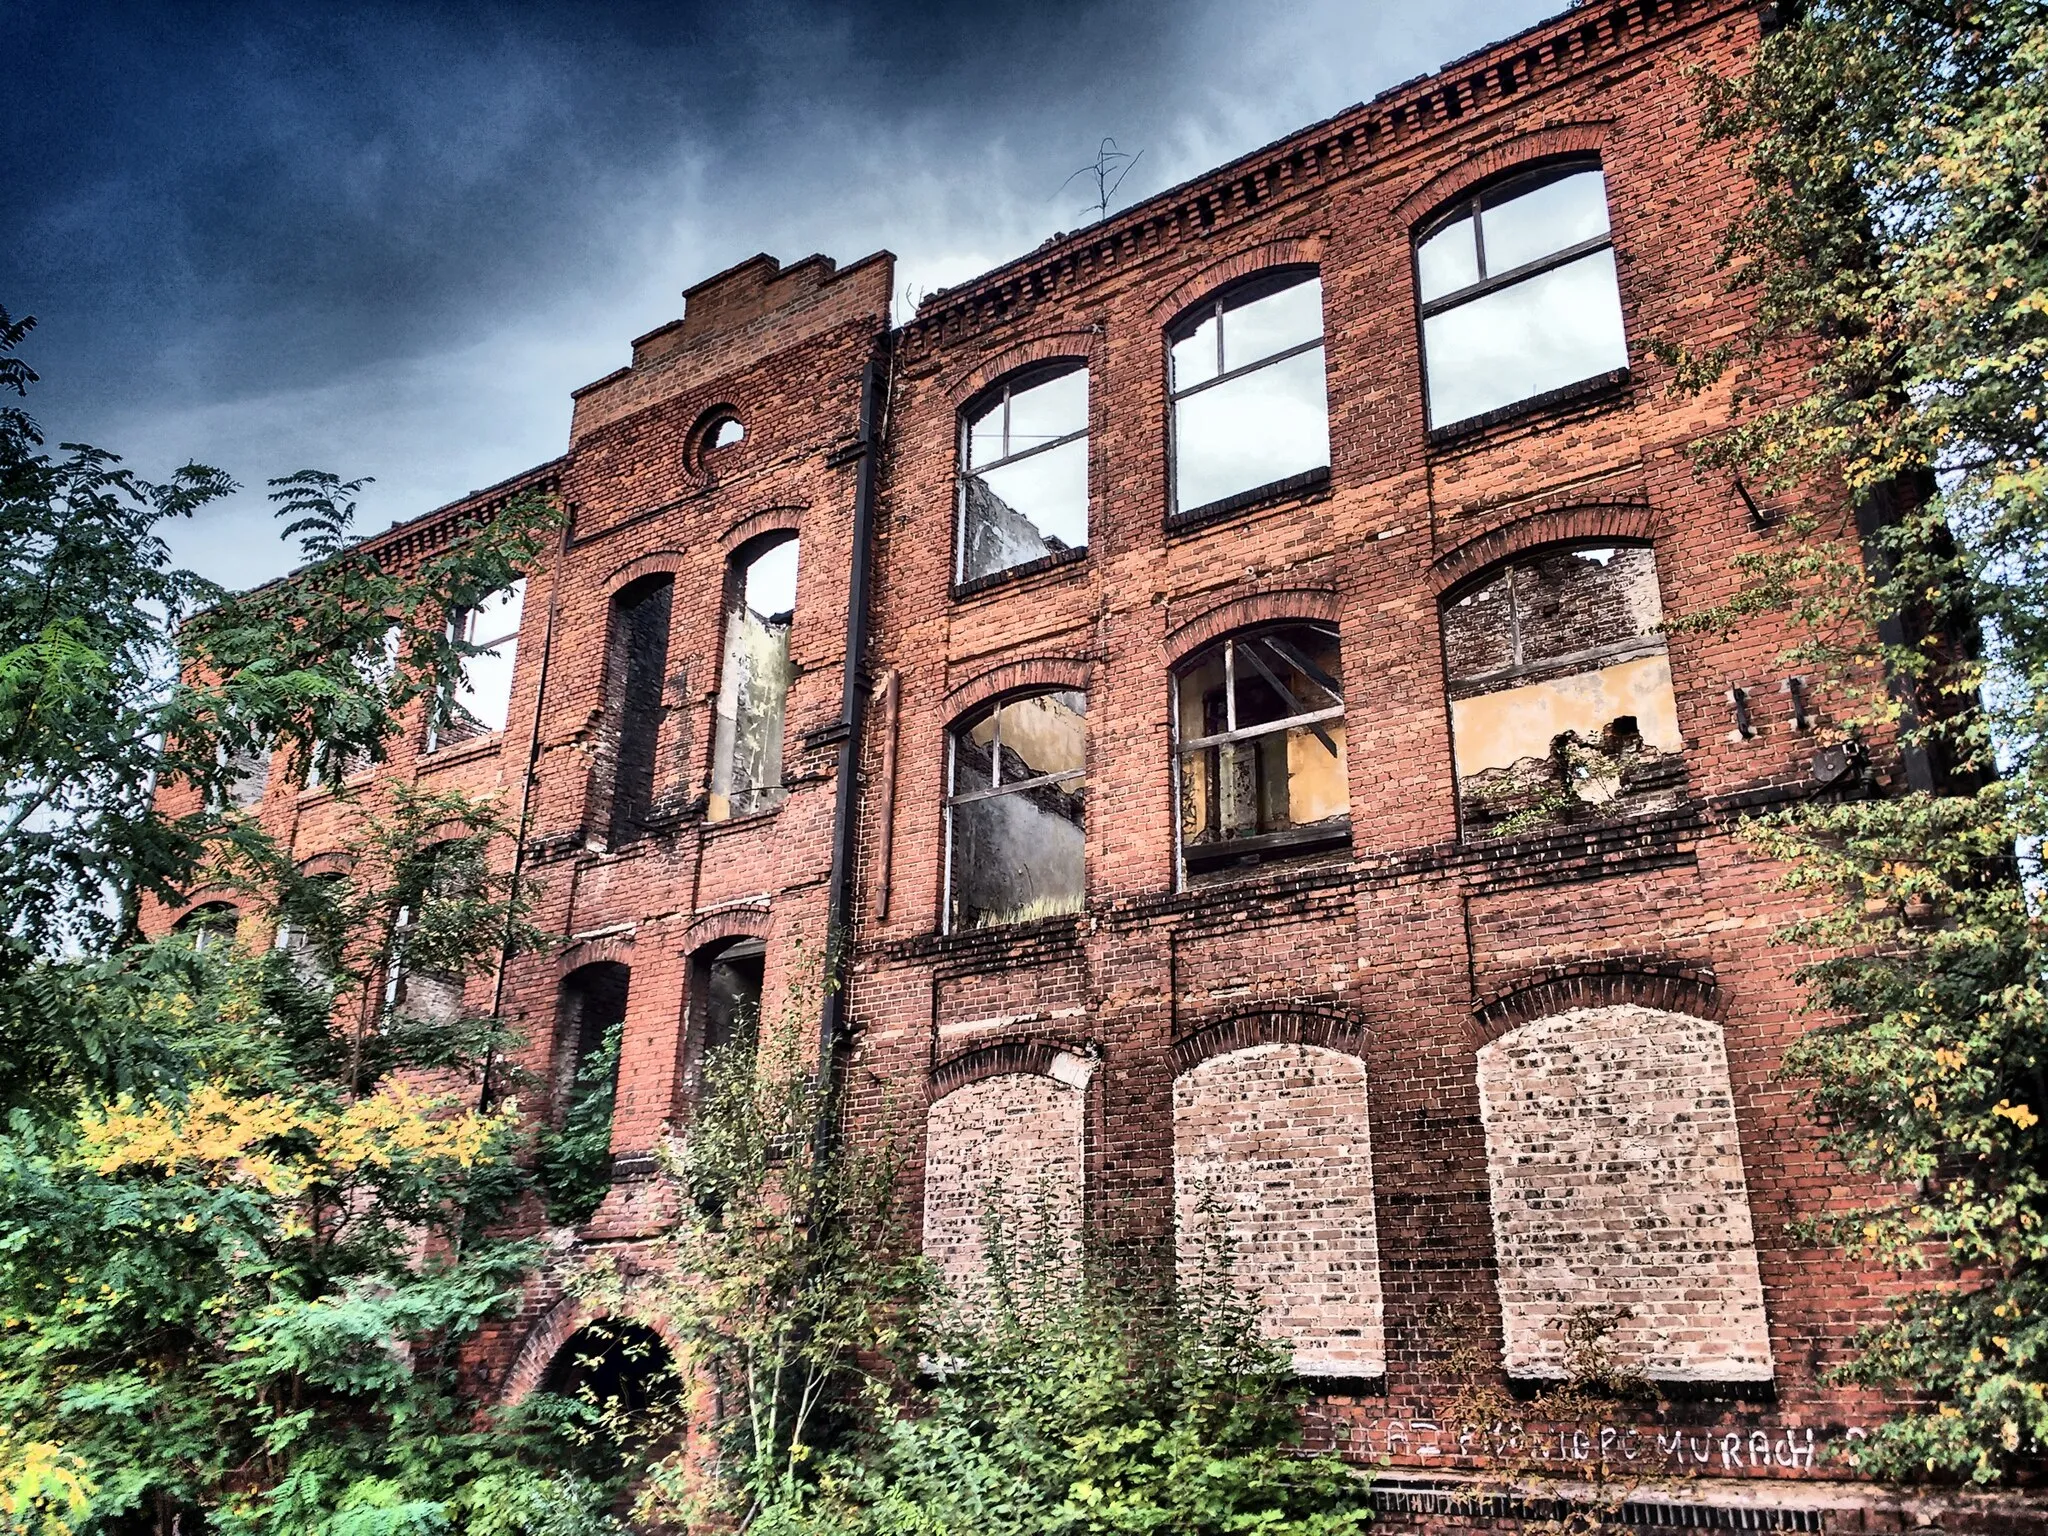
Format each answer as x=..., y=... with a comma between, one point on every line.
x=1420, y=1073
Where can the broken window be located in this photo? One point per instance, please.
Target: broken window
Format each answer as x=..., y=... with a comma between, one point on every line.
x=245, y=774
x=211, y=926
x=1024, y=475
x=328, y=764
x=725, y=1006
x=1561, y=704
x=1518, y=293
x=638, y=671
x=1249, y=409
x=306, y=933
x=588, y=1025
x=746, y=759
x=478, y=703
x=1015, y=793
x=419, y=980
x=1259, y=731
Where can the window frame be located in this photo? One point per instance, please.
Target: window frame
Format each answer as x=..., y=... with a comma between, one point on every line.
x=1266, y=845
x=449, y=699
x=1028, y=377
x=951, y=798
x=1473, y=202
x=1261, y=284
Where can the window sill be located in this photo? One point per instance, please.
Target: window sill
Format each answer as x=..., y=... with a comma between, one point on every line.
x=1046, y=932
x=995, y=580
x=1303, y=486
x=733, y=824
x=1212, y=863
x=486, y=745
x=1614, y=385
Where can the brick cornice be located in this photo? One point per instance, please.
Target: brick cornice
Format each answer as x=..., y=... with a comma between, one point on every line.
x=1333, y=1029
x=1667, y=986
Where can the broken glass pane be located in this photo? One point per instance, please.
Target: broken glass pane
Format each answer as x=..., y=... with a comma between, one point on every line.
x=1194, y=355
x=1551, y=330
x=1026, y=509
x=1017, y=857
x=1251, y=431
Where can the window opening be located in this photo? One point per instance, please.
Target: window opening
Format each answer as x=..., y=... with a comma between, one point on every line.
x=1016, y=780
x=1561, y=701
x=1024, y=481
x=414, y=984
x=211, y=926
x=245, y=775
x=327, y=765
x=728, y=432
x=298, y=941
x=1259, y=727
x=726, y=984
x=753, y=690
x=639, y=668
x=481, y=699
x=625, y=1375
x=1250, y=410
x=1518, y=294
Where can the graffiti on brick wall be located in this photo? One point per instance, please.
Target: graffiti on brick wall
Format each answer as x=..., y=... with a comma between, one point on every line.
x=1647, y=1448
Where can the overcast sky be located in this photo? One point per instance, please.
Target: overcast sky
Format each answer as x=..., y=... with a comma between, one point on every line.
x=388, y=240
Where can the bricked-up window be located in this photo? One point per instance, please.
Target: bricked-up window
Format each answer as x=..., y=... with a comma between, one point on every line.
x=753, y=688
x=636, y=672
x=726, y=982
x=592, y=1007
x=1272, y=1183
x=1250, y=415
x=1561, y=703
x=211, y=926
x=1016, y=782
x=478, y=703
x=1518, y=294
x=1259, y=733
x=1024, y=472
x=1617, y=1182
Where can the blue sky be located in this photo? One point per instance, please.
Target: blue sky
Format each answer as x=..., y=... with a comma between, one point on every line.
x=389, y=239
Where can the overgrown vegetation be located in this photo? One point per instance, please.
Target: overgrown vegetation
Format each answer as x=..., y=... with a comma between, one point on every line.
x=1896, y=249
x=245, y=1194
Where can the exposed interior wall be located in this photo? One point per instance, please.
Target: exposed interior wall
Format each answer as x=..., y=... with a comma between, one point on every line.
x=1617, y=1181
x=1272, y=1163
x=638, y=669
x=1007, y=1148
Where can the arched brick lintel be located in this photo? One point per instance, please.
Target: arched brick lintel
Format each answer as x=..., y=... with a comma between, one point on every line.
x=1004, y=1058
x=1042, y=672
x=1524, y=149
x=616, y=949
x=1673, y=988
x=206, y=896
x=657, y=563
x=1623, y=521
x=733, y=923
x=1306, y=251
x=1288, y=603
x=1333, y=1029
x=780, y=519
x=556, y=1327
x=962, y=385
x=335, y=863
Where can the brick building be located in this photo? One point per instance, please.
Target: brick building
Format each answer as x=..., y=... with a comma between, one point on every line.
x=1212, y=666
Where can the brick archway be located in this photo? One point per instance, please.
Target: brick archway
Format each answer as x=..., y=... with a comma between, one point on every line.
x=1333, y=1029
x=1032, y=672
x=1287, y=604
x=1626, y=522
x=1672, y=987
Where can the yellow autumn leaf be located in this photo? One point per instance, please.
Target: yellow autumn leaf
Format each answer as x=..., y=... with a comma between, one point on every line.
x=2018, y=1114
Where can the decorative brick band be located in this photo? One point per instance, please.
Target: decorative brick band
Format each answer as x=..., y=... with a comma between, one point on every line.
x=962, y=384
x=1509, y=155
x=1334, y=1029
x=1258, y=258
x=1287, y=603
x=1555, y=523
x=1035, y=1058
x=615, y=950
x=1669, y=988
x=1072, y=672
x=733, y=923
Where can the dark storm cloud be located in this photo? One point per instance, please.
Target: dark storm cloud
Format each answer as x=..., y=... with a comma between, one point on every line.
x=391, y=238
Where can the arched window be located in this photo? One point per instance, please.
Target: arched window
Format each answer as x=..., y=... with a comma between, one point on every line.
x=480, y=699
x=1259, y=738
x=636, y=672
x=301, y=934
x=590, y=1019
x=726, y=982
x=746, y=758
x=210, y=926
x=1619, y=1196
x=1518, y=294
x=423, y=979
x=725, y=433
x=1024, y=472
x=1250, y=414
x=1016, y=781
x=626, y=1375
x=1561, y=703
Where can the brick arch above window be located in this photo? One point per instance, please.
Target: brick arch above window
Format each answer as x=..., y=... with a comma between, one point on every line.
x=1524, y=151
x=207, y=896
x=962, y=384
x=1062, y=1061
x=616, y=949
x=1624, y=522
x=1335, y=1029
x=661, y=562
x=316, y=865
x=1305, y=251
x=1667, y=986
x=717, y=927
x=778, y=519
x=1288, y=604
x=558, y=1325
x=1030, y=674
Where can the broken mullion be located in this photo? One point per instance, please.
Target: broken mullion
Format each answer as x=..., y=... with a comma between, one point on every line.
x=1016, y=786
x=1252, y=732
x=1280, y=688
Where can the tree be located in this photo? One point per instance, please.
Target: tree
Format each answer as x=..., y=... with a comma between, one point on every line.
x=1895, y=250
x=245, y=1208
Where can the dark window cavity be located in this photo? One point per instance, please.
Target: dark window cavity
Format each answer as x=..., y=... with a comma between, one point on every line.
x=481, y=698
x=419, y=980
x=1259, y=733
x=1249, y=408
x=1024, y=472
x=211, y=926
x=1561, y=703
x=725, y=1007
x=746, y=758
x=588, y=1026
x=638, y=669
x=1518, y=294
x=1015, y=796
